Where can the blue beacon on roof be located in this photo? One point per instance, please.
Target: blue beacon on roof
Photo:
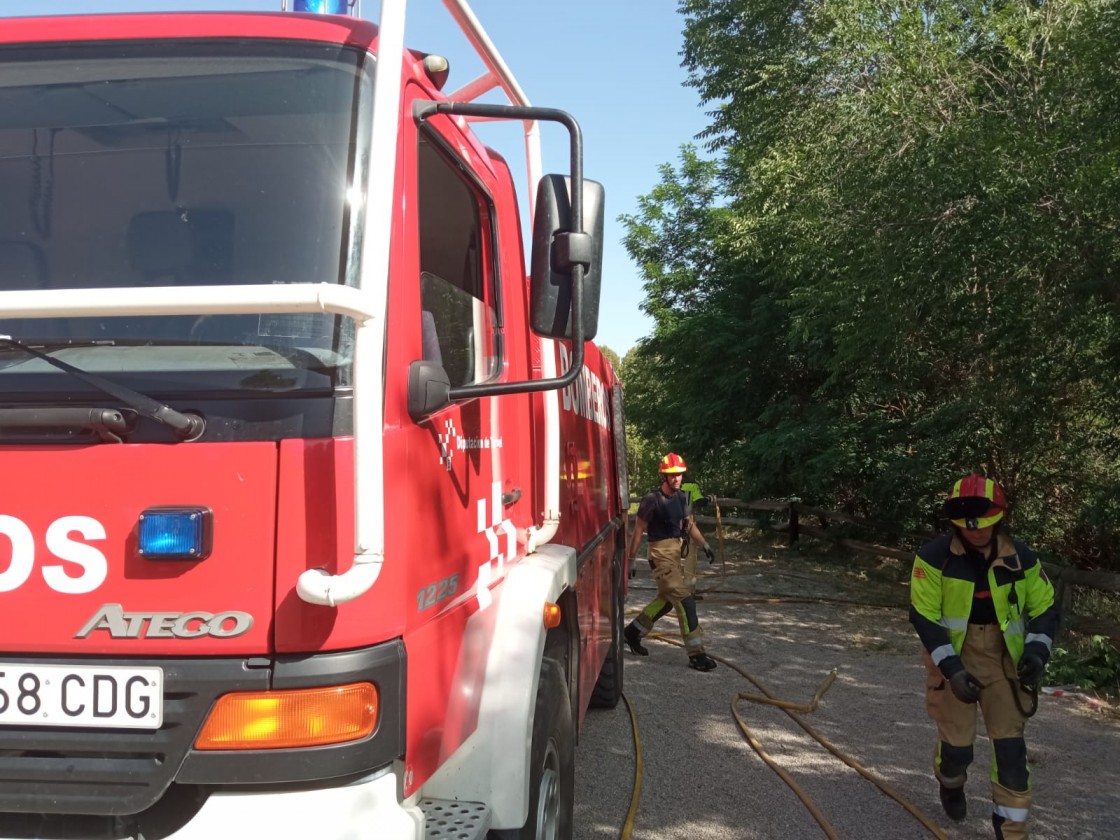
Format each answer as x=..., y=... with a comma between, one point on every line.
x=322, y=7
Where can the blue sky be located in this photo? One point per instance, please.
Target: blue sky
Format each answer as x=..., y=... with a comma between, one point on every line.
x=613, y=64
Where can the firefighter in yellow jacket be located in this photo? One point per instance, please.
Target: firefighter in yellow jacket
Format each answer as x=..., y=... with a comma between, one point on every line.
x=695, y=500
x=984, y=611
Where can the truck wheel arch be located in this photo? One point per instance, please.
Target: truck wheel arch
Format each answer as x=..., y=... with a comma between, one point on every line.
x=608, y=688
x=552, y=763
x=500, y=748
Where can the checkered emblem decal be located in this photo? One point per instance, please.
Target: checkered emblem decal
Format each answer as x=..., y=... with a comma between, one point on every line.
x=491, y=523
x=447, y=444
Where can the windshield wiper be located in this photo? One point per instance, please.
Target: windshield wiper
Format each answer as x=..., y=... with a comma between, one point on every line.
x=185, y=426
x=110, y=424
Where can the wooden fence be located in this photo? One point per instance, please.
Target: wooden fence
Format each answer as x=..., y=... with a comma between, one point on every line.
x=793, y=524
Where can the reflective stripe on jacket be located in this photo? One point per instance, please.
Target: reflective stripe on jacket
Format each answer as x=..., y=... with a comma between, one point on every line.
x=941, y=589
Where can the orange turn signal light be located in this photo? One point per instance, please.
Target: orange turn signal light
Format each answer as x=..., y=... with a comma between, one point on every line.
x=551, y=616
x=305, y=717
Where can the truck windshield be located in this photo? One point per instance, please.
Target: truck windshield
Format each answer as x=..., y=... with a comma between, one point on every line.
x=181, y=163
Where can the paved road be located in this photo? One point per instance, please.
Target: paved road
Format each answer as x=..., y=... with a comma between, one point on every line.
x=702, y=781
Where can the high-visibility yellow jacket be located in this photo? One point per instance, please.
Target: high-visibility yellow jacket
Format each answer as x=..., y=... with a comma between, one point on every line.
x=941, y=588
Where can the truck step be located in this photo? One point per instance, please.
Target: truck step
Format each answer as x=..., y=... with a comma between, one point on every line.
x=449, y=819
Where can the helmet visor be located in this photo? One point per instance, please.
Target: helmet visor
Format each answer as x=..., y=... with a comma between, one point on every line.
x=972, y=512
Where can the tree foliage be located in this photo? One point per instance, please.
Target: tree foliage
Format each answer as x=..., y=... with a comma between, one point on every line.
x=899, y=262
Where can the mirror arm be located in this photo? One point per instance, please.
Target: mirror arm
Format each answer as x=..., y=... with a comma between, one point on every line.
x=574, y=246
x=466, y=392
x=423, y=109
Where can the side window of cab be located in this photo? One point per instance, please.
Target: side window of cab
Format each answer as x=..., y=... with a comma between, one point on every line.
x=458, y=298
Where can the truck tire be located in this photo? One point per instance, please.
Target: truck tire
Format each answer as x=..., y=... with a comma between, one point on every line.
x=608, y=688
x=552, y=766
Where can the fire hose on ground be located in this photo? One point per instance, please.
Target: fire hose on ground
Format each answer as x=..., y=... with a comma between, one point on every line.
x=789, y=708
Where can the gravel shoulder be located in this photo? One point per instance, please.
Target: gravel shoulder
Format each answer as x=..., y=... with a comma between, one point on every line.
x=700, y=779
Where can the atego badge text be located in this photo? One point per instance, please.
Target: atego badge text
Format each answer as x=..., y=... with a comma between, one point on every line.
x=165, y=625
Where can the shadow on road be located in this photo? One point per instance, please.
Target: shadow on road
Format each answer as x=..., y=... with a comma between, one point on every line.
x=702, y=780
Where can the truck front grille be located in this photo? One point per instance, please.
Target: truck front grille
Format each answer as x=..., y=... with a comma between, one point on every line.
x=107, y=775
x=115, y=771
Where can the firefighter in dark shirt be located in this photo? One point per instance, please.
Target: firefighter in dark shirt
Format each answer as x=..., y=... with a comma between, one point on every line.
x=667, y=515
x=984, y=611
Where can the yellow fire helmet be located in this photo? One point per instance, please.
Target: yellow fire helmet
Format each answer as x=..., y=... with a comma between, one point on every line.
x=672, y=464
x=975, y=502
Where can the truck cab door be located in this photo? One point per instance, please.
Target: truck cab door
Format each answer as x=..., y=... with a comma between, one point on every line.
x=460, y=330
x=449, y=462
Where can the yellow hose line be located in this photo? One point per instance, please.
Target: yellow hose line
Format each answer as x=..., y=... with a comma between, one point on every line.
x=824, y=742
x=806, y=800
x=783, y=599
x=910, y=807
x=779, y=599
x=628, y=826
x=844, y=757
x=793, y=707
x=725, y=575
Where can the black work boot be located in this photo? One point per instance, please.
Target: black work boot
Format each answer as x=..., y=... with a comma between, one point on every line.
x=954, y=802
x=701, y=662
x=634, y=640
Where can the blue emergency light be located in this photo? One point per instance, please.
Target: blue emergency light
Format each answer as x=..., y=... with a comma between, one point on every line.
x=322, y=7
x=175, y=533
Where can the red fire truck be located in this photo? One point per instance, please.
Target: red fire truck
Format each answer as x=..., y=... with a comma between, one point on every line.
x=314, y=495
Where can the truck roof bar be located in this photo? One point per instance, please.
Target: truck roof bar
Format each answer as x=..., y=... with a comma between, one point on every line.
x=317, y=585
x=497, y=75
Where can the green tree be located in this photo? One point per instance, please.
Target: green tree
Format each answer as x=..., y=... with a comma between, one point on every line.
x=682, y=396
x=903, y=265
x=610, y=356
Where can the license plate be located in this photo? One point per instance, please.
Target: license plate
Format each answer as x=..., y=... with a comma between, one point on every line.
x=114, y=696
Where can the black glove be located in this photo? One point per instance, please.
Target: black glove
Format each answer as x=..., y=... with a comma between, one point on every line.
x=965, y=687
x=1031, y=664
x=711, y=555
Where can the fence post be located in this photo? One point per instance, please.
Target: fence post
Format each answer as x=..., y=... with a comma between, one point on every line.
x=793, y=524
x=1064, y=597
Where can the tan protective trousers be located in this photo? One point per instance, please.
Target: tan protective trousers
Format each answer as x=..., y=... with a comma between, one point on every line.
x=986, y=658
x=673, y=592
x=668, y=570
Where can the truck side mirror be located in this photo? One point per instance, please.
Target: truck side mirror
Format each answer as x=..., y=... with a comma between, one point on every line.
x=556, y=248
x=428, y=389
